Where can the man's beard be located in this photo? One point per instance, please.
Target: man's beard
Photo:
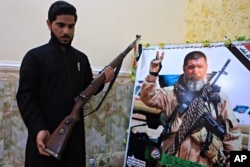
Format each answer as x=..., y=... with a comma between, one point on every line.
x=194, y=85
x=58, y=41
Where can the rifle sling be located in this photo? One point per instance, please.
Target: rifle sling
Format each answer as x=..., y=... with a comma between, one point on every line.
x=106, y=93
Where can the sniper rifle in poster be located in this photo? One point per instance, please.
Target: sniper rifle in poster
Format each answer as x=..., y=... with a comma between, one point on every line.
x=58, y=140
x=142, y=147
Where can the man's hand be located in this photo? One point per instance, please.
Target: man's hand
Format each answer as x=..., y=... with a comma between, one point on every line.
x=41, y=138
x=155, y=65
x=109, y=74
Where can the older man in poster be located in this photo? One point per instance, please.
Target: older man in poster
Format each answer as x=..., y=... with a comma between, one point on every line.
x=188, y=137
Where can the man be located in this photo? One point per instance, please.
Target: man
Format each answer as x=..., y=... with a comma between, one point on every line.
x=51, y=77
x=186, y=105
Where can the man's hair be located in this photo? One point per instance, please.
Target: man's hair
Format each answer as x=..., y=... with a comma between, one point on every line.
x=61, y=8
x=194, y=55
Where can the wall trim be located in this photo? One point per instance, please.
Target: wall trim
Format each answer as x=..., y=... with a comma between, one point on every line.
x=8, y=65
x=11, y=65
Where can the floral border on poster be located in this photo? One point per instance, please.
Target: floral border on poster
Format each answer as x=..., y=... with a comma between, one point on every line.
x=205, y=43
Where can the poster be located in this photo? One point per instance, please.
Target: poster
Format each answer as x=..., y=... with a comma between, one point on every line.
x=144, y=147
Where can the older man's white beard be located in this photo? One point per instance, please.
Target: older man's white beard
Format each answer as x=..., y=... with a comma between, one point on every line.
x=194, y=85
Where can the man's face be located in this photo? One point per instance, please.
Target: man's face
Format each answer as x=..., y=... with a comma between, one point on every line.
x=63, y=28
x=195, y=74
x=196, y=69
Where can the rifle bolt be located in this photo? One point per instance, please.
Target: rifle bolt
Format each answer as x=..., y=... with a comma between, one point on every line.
x=69, y=121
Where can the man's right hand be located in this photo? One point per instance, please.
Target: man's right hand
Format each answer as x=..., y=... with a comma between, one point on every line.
x=155, y=65
x=41, y=139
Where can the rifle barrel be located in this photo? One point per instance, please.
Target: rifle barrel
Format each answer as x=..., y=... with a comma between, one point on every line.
x=222, y=71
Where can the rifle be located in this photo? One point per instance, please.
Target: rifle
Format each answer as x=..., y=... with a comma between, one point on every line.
x=222, y=71
x=58, y=140
x=216, y=127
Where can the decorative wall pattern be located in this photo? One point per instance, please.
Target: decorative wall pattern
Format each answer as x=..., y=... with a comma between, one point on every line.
x=212, y=20
x=13, y=132
x=105, y=129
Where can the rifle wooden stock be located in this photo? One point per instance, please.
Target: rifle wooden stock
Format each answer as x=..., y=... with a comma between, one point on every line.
x=58, y=140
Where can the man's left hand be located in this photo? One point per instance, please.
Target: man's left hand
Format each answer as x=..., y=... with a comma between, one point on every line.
x=109, y=74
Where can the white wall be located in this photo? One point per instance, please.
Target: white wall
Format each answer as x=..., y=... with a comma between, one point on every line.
x=104, y=28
